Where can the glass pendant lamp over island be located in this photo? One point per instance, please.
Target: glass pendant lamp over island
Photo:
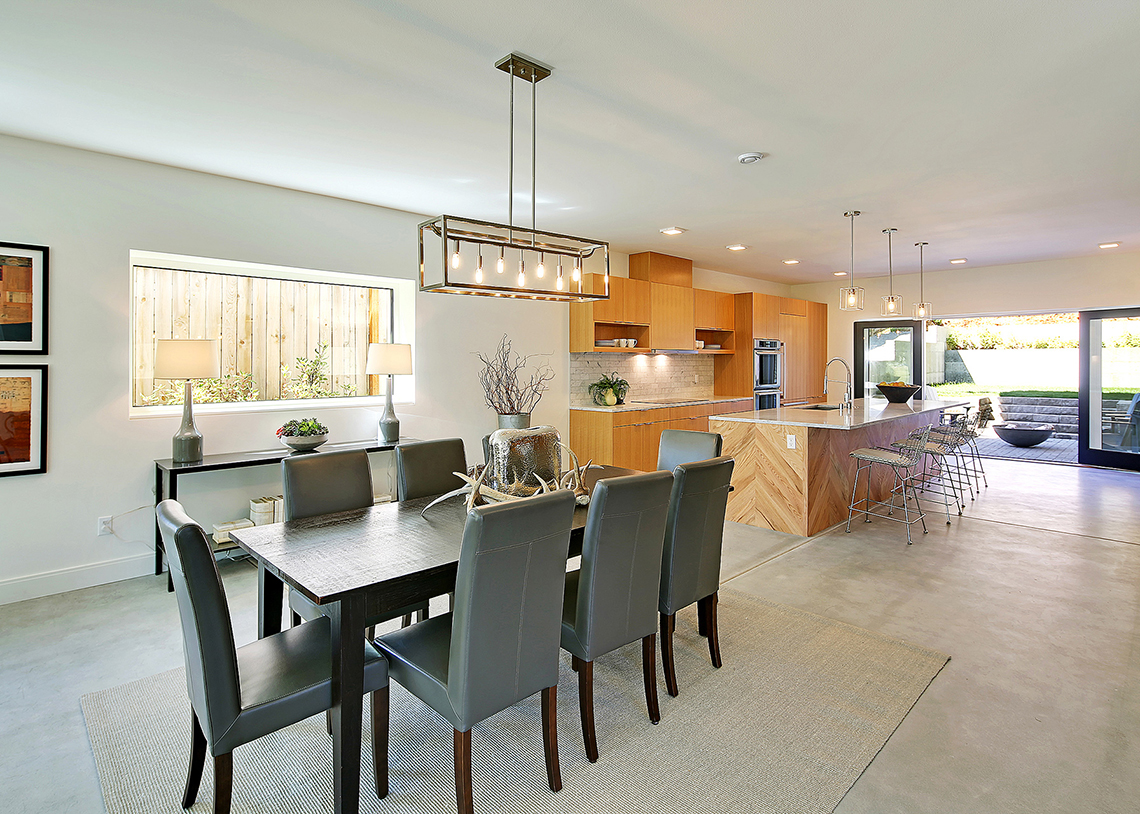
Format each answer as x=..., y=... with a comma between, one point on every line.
x=922, y=309
x=892, y=303
x=386, y=359
x=455, y=265
x=851, y=297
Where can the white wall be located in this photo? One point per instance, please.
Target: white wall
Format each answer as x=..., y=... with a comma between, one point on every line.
x=1109, y=280
x=91, y=210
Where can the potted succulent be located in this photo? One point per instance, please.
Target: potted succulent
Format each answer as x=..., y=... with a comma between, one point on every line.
x=609, y=390
x=303, y=435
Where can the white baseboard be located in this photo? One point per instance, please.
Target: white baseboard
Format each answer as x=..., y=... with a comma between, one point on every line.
x=32, y=586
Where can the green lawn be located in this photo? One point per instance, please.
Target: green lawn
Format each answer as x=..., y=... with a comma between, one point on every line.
x=976, y=390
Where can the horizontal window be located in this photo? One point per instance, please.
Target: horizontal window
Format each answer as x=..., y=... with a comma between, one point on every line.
x=285, y=335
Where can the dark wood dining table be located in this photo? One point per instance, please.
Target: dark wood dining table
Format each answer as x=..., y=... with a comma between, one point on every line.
x=361, y=564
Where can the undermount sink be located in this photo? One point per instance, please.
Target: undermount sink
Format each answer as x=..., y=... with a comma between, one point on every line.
x=822, y=407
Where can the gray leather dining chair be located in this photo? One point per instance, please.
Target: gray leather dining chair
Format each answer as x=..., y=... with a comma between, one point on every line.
x=685, y=446
x=425, y=468
x=690, y=563
x=324, y=483
x=612, y=599
x=500, y=644
x=238, y=695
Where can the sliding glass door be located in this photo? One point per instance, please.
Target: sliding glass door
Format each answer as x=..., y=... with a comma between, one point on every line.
x=887, y=351
x=1109, y=404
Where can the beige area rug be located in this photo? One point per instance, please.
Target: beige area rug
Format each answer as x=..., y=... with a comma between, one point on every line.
x=799, y=709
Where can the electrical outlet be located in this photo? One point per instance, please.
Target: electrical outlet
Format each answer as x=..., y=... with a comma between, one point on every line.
x=791, y=442
x=105, y=526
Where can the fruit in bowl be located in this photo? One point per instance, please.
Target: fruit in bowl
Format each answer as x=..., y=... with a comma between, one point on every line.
x=303, y=435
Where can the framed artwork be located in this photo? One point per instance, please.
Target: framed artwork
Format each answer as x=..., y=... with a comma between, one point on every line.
x=23, y=298
x=23, y=419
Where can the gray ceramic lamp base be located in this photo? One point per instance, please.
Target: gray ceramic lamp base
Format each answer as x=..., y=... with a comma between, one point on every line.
x=389, y=431
x=187, y=446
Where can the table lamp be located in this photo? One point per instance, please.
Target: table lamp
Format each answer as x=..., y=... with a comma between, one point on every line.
x=187, y=359
x=389, y=360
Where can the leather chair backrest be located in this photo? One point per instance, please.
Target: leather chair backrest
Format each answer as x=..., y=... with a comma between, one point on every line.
x=685, y=446
x=621, y=556
x=690, y=563
x=425, y=468
x=326, y=482
x=207, y=636
x=507, y=622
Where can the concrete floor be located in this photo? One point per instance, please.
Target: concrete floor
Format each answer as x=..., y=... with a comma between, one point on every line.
x=1035, y=593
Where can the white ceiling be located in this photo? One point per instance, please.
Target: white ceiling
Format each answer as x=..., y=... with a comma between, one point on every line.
x=998, y=131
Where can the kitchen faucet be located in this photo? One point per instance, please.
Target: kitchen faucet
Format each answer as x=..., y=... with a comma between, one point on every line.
x=849, y=392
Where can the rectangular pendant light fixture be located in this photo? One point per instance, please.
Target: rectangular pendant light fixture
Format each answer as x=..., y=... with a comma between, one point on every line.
x=451, y=248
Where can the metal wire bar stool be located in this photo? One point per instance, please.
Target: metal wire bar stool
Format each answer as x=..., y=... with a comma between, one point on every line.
x=903, y=461
x=944, y=471
x=967, y=446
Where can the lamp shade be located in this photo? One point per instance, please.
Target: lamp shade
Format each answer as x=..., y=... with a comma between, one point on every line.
x=388, y=359
x=187, y=359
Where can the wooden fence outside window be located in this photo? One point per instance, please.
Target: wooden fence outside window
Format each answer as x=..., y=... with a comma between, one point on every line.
x=263, y=326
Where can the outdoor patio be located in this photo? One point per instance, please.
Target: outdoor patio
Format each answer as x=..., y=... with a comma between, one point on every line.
x=1053, y=451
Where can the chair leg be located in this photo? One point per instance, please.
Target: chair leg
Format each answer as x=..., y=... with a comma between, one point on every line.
x=702, y=626
x=380, y=741
x=710, y=620
x=197, y=761
x=649, y=672
x=585, y=672
x=223, y=782
x=668, y=625
x=463, y=801
x=406, y=621
x=550, y=737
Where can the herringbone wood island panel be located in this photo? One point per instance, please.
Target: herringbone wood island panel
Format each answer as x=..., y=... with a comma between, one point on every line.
x=807, y=489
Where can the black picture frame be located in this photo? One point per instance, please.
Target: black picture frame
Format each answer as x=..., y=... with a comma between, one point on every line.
x=23, y=419
x=23, y=299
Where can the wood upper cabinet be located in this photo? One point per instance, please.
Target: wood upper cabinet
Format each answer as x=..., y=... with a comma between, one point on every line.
x=765, y=317
x=817, y=348
x=713, y=310
x=661, y=268
x=628, y=302
x=671, y=318
x=796, y=308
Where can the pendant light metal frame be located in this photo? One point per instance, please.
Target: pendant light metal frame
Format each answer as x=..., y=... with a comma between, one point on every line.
x=851, y=297
x=922, y=308
x=444, y=277
x=892, y=303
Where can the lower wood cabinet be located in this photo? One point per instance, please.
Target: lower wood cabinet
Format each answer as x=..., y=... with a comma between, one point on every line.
x=630, y=438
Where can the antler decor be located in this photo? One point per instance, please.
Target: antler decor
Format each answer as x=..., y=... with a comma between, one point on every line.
x=522, y=463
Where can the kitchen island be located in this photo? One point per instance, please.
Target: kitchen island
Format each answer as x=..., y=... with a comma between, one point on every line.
x=794, y=470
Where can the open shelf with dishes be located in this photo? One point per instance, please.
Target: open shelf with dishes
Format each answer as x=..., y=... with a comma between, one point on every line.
x=715, y=341
x=623, y=337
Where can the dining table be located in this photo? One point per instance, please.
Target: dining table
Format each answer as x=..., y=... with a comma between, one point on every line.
x=358, y=565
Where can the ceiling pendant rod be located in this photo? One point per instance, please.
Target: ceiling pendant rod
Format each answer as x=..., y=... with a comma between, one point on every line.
x=922, y=308
x=533, y=150
x=511, y=159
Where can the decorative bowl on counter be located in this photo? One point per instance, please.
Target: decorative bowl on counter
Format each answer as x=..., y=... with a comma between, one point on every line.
x=898, y=393
x=303, y=443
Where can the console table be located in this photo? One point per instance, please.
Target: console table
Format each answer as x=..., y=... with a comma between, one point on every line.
x=166, y=474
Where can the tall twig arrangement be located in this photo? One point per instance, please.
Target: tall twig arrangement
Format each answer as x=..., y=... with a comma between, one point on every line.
x=506, y=391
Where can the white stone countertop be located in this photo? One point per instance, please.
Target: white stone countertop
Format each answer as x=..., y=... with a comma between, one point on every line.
x=863, y=413
x=632, y=405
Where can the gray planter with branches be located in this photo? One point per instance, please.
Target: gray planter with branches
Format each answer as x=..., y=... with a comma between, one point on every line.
x=510, y=390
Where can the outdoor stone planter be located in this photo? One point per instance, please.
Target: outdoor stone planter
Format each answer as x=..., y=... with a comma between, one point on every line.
x=1023, y=433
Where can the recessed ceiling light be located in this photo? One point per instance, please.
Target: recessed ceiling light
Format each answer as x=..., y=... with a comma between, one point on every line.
x=736, y=247
x=672, y=230
x=1109, y=245
x=839, y=273
x=750, y=158
x=958, y=260
x=791, y=262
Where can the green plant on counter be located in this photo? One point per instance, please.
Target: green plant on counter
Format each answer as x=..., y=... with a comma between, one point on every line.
x=300, y=428
x=609, y=390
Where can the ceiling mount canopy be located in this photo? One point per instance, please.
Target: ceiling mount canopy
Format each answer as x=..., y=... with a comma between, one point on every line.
x=452, y=248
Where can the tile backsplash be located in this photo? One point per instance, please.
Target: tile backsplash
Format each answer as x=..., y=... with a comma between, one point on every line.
x=650, y=376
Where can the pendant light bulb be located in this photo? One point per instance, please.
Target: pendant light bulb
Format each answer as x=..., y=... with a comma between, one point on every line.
x=455, y=256
x=479, y=267
x=577, y=269
x=541, y=270
x=502, y=264
x=522, y=272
